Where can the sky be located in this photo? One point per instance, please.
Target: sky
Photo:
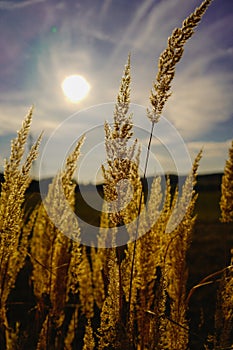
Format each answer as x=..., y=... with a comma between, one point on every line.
x=44, y=41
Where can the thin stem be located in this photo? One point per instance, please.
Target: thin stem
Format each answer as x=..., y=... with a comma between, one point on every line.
x=139, y=210
x=205, y=281
x=50, y=291
x=176, y=323
x=4, y=280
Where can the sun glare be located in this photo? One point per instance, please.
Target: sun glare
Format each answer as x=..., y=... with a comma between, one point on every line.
x=75, y=88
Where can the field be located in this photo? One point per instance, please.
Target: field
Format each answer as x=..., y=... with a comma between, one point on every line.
x=209, y=252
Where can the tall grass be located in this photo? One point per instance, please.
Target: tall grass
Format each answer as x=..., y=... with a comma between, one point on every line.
x=130, y=296
x=224, y=314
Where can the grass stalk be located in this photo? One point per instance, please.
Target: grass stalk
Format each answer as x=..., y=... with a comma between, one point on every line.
x=138, y=214
x=161, y=91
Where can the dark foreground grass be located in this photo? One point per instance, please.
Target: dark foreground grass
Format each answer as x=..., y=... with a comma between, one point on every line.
x=209, y=252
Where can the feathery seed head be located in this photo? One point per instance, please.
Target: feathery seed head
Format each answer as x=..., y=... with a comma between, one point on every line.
x=168, y=60
x=226, y=202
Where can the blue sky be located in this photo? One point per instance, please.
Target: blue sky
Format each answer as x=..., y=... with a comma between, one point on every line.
x=43, y=41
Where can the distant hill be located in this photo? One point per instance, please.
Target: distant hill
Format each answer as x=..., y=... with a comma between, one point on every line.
x=206, y=182
x=209, y=182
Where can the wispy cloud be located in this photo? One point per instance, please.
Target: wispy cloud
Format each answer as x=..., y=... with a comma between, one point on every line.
x=202, y=96
x=214, y=157
x=132, y=28
x=200, y=102
x=11, y=5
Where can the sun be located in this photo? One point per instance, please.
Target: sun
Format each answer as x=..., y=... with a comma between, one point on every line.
x=75, y=88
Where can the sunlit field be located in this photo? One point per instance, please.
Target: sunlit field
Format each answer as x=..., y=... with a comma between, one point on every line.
x=148, y=266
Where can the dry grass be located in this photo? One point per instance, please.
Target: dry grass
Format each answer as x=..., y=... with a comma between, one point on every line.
x=130, y=296
x=224, y=315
